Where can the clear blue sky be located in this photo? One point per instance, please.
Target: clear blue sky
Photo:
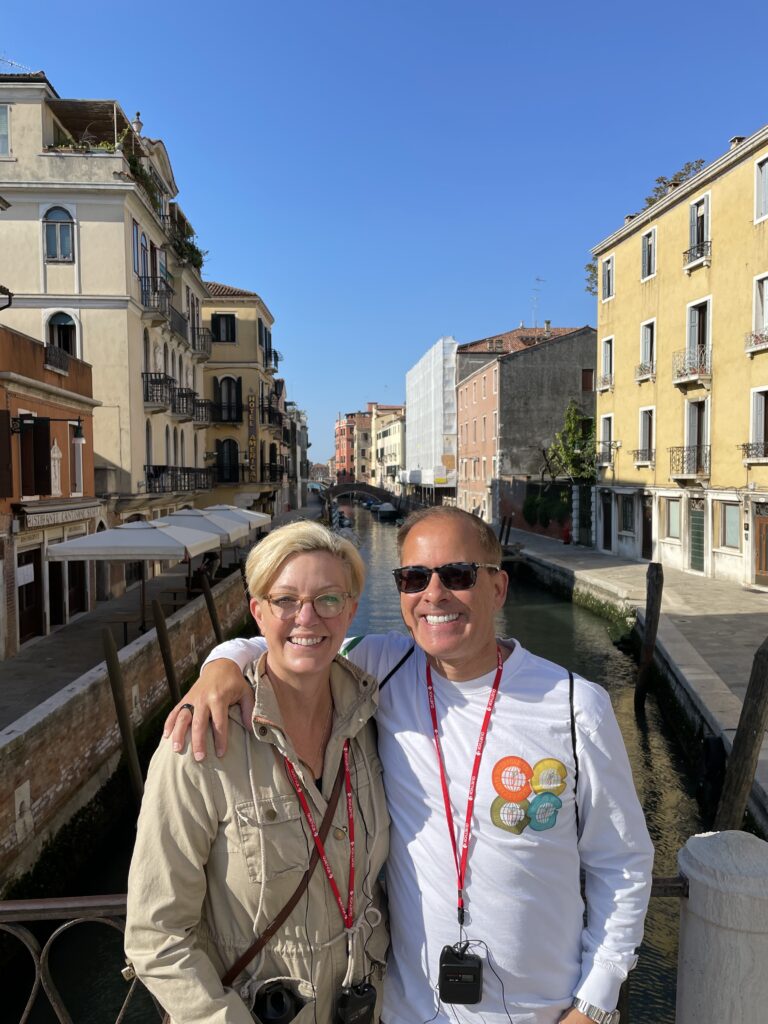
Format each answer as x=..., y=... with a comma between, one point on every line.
x=386, y=172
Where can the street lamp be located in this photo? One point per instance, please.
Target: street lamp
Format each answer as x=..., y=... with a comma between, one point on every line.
x=19, y=422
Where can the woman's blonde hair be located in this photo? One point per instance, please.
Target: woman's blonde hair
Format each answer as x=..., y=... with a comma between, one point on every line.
x=266, y=559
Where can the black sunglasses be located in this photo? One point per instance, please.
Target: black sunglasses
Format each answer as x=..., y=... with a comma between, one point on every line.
x=412, y=579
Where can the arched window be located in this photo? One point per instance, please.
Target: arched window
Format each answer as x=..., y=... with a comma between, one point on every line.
x=59, y=235
x=229, y=399
x=61, y=333
x=148, y=443
x=167, y=446
x=227, y=471
x=173, y=365
x=194, y=448
x=183, y=451
x=175, y=446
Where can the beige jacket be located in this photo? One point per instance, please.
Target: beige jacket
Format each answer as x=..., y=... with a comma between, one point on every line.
x=222, y=845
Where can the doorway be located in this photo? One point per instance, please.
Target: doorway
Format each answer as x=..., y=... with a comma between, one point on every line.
x=56, y=593
x=761, y=549
x=29, y=583
x=696, y=534
x=607, y=507
x=77, y=592
x=647, y=528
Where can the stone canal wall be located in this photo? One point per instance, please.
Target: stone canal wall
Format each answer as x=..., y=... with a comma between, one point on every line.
x=54, y=759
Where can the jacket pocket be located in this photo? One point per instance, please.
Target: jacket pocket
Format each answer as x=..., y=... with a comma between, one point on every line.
x=272, y=837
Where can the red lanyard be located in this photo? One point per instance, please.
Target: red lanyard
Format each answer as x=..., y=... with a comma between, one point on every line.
x=461, y=868
x=348, y=915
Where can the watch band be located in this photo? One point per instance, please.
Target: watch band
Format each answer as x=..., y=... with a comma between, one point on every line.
x=596, y=1013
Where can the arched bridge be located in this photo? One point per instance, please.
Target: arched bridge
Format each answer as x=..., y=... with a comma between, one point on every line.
x=354, y=488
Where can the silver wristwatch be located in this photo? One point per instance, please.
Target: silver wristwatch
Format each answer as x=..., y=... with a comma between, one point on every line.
x=596, y=1013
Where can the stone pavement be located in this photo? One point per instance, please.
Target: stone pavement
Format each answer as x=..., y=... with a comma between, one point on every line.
x=708, y=632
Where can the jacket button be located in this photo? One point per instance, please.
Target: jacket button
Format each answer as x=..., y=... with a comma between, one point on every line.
x=339, y=833
x=270, y=814
x=262, y=730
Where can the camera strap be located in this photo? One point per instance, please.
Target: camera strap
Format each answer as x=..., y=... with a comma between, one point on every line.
x=461, y=864
x=278, y=921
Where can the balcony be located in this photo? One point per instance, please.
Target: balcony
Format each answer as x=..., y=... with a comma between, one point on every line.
x=645, y=371
x=756, y=341
x=270, y=416
x=754, y=451
x=692, y=366
x=179, y=323
x=644, y=456
x=155, y=299
x=164, y=479
x=690, y=462
x=201, y=343
x=699, y=253
x=271, y=359
x=202, y=413
x=271, y=472
x=605, y=382
x=226, y=412
x=158, y=391
x=183, y=403
x=605, y=450
x=57, y=358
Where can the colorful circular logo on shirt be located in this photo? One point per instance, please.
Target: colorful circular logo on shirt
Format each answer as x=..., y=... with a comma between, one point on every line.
x=515, y=780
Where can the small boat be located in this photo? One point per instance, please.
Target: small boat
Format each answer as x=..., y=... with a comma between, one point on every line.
x=386, y=512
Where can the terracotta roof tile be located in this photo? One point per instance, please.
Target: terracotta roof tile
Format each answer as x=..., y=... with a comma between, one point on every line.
x=223, y=291
x=513, y=341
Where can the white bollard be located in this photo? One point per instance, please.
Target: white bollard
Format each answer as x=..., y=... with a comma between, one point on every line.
x=722, y=972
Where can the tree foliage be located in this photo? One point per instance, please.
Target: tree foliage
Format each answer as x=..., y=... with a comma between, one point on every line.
x=590, y=278
x=572, y=454
x=663, y=184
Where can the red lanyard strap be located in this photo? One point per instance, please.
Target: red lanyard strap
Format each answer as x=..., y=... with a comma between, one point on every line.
x=348, y=915
x=461, y=866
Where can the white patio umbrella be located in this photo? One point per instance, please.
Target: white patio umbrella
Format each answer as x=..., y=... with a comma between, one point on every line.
x=142, y=541
x=254, y=520
x=226, y=528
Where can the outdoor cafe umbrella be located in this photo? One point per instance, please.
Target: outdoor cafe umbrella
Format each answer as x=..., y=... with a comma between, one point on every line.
x=254, y=520
x=142, y=541
x=227, y=529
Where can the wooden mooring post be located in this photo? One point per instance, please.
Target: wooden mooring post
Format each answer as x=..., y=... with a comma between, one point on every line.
x=123, y=715
x=742, y=762
x=211, y=604
x=653, y=593
x=164, y=643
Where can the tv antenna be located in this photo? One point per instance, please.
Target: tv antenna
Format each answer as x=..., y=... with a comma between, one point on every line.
x=14, y=64
x=535, y=292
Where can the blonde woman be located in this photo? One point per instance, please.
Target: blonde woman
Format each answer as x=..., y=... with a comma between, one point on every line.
x=224, y=843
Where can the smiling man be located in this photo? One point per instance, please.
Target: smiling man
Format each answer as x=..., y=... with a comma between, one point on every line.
x=506, y=778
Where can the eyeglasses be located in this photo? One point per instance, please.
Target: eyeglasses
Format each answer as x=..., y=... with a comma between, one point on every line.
x=327, y=606
x=412, y=579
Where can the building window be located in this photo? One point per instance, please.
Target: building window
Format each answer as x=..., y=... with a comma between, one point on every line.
x=761, y=183
x=495, y=379
x=61, y=333
x=760, y=335
x=495, y=424
x=144, y=255
x=606, y=378
x=59, y=230
x=485, y=386
x=729, y=525
x=474, y=430
x=698, y=235
x=482, y=437
x=75, y=462
x=474, y=392
x=673, y=518
x=223, y=327
x=605, y=445
x=135, y=244
x=646, y=452
x=648, y=266
x=627, y=512
x=587, y=379
x=759, y=432
x=647, y=367
x=608, y=279
x=5, y=130
x=698, y=332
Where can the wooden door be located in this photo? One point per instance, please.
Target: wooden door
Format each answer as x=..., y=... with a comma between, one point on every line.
x=696, y=535
x=761, y=550
x=647, y=537
x=30, y=590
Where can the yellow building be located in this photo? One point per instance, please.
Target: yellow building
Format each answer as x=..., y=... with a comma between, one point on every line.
x=682, y=378
x=388, y=441
x=104, y=267
x=248, y=440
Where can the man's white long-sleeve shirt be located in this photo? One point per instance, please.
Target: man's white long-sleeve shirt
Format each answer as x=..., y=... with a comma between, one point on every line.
x=522, y=891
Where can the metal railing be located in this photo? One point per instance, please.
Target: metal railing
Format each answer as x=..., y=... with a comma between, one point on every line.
x=692, y=364
x=201, y=342
x=183, y=403
x=162, y=479
x=700, y=251
x=271, y=472
x=755, y=450
x=645, y=371
x=605, y=451
x=158, y=389
x=179, y=323
x=689, y=460
x=754, y=341
x=270, y=414
x=605, y=382
x=202, y=411
x=644, y=455
x=272, y=358
x=156, y=295
x=57, y=358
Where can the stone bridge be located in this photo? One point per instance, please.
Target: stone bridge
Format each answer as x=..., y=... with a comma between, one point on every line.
x=354, y=488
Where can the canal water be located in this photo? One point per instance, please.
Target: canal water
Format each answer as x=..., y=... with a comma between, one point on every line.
x=545, y=624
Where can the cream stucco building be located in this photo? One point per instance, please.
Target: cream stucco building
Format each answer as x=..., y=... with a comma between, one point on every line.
x=682, y=374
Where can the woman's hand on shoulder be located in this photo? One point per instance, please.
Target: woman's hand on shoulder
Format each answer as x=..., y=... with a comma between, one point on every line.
x=220, y=685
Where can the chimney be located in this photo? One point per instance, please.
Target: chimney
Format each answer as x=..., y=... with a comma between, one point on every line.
x=629, y=217
x=137, y=123
x=547, y=328
x=735, y=141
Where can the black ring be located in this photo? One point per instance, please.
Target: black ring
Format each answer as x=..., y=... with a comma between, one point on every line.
x=188, y=707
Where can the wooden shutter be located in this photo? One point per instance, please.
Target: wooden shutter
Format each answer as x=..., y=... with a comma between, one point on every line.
x=758, y=416
x=6, y=455
x=216, y=326
x=261, y=332
x=692, y=230
x=693, y=330
x=41, y=446
x=706, y=219
x=239, y=399
x=645, y=271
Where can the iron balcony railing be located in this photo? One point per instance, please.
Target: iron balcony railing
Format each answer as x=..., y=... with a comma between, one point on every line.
x=605, y=382
x=692, y=364
x=270, y=415
x=158, y=389
x=755, y=450
x=201, y=342
x=202, y=411
x=162, y=479
x=644, y=455
x=156, y=295
x=57, y=358
x=231, y=473
x=754, y=341
x=689, y=460
x=271, y=472
x=272, y=358
x=645, y=371
x=700, y=251
x=226, y=412
x=179, y=323
x=605, y=451
x=183, y=403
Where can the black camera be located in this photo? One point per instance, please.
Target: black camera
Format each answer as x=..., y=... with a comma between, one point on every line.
x=461, y=975
x=355, y=1005
x=275, y=1003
